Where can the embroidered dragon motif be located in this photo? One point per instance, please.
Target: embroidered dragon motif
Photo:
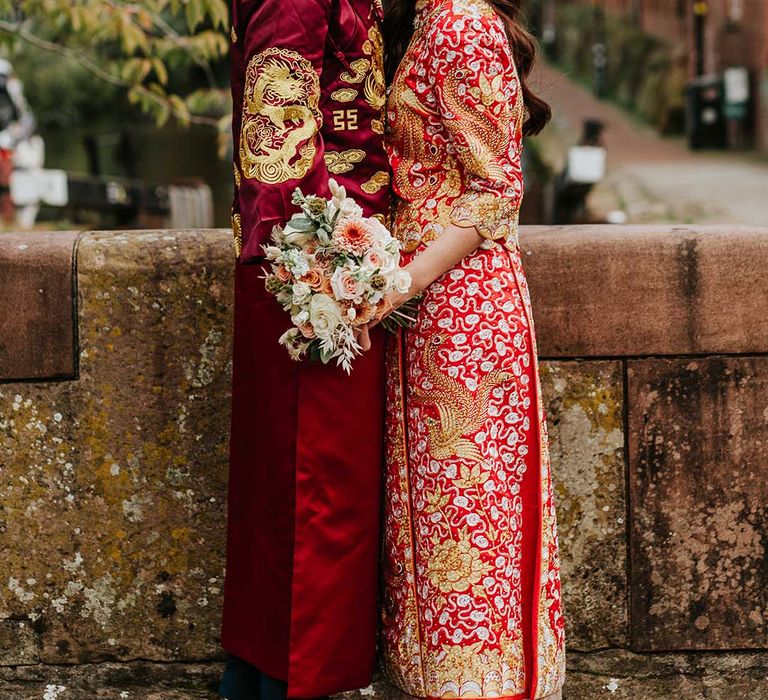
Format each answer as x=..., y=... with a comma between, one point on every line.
x=281, y=117
x=460, y=412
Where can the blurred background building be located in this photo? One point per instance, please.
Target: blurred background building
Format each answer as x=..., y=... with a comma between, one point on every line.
x=646, y=51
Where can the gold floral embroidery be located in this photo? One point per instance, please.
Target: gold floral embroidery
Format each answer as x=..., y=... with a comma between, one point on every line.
x=494, y=217
x=281, y=117
x=340, y=162
x=233, y=34
x=403, y=658
x=460, y=411
x=379, y=180
x=344, y=95
x=479, y=671
x=237, y=233
x=456, y=566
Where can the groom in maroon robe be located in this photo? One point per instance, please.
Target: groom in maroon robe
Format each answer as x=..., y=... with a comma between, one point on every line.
x=306, y=444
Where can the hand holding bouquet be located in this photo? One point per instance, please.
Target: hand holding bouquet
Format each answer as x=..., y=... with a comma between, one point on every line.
x=332, y=269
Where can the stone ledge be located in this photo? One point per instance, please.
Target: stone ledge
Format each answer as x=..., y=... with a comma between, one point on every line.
x=111, y=681
x=37, y=312
x=630, y=291
x=613, y=674
x=597, y=291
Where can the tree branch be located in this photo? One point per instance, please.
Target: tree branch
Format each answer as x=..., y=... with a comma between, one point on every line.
x=170, y=33
x=20, y=29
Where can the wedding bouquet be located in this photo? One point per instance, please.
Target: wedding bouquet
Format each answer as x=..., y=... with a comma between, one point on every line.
x=331, y=270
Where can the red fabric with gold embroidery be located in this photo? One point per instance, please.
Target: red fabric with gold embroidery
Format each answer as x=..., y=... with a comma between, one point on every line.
x=305, y=467
x=472, y=588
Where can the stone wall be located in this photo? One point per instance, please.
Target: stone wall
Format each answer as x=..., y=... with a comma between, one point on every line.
x=114, y=379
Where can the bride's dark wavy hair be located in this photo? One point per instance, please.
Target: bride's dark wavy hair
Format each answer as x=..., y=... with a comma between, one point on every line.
x=398, y=30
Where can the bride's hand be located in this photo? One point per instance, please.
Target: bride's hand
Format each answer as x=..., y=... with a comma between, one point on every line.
x=441, y=255
x=363, y=337
x=392, y=302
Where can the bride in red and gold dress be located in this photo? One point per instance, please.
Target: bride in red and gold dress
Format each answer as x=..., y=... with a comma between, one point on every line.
x=472, y=588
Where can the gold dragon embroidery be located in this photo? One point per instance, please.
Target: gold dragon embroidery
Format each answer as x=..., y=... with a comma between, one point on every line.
x=281, y=117
x=375, y=87
x=460, y=412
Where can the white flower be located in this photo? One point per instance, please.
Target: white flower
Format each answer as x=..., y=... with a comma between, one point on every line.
x=377, y=258
x=341, y=203
x=300, y=318
x=298, y=238
x=324, y=315
x=337, y=190
x=294, y=343
x=290, y=335
x=344, y=285
x=296, y=261
x=380, y=232
x=277, y=235
x=402, y=281
x=301, y=291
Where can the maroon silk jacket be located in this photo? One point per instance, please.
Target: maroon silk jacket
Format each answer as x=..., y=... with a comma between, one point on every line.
x=306, y=442
x=308, y=91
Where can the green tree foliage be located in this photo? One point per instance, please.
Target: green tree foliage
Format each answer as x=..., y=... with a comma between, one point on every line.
x=163, y=55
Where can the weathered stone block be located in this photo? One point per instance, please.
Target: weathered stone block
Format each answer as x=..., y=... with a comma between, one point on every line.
x=622, y=675
x=37, y=311
x=585, y=407
x=698, y=448
x=113, y=487
x=584, y=281
x=18, y=643
x=111, y=681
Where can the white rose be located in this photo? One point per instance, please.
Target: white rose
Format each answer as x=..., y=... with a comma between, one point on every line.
x=402, y=281
x=350, y=209
x=301, y=291
x=388, y=262
x=344, y=285
x=324, y=315
x=379, y=259
x=380, y=232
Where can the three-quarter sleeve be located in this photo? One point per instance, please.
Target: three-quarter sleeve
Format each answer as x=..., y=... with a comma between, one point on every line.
x=478, y=100
x=278, y=140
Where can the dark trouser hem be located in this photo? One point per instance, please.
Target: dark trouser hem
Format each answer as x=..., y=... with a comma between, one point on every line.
x=241, y=681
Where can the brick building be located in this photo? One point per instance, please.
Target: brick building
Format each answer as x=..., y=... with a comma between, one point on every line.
x=718, y=33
